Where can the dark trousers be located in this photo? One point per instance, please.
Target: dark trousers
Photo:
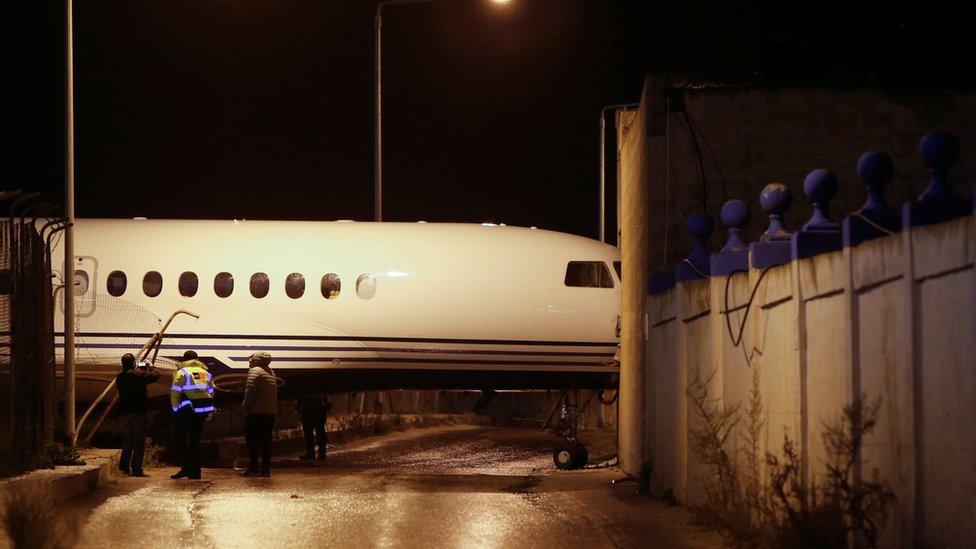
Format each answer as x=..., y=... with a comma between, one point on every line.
x=189, y=427
x=134, y=447
x=258, y=432
x=313, y=428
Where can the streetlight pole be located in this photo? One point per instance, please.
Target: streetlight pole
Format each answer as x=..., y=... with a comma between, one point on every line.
x=603, y=169
x=68, y=290
x=378, y=136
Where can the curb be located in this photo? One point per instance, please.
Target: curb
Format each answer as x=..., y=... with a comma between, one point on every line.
x=70, y=481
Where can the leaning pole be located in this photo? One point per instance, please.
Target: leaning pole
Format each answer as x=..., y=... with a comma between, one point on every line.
x=633, y=252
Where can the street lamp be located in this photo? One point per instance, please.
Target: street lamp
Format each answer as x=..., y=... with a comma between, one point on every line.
x=378, y=137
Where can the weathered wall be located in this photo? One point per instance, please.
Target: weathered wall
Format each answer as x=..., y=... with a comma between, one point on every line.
x=748, y=137
x=893, y=319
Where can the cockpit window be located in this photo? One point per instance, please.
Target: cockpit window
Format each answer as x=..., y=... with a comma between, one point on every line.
x=620, y=272
x=588, y=274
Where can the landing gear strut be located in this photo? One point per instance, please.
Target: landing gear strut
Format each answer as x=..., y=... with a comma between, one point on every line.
x=569, y=454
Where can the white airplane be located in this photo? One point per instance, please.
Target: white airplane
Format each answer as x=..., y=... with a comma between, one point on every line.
x=344, y=306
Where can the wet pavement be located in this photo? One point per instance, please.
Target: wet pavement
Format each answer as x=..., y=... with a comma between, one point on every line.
x=444, y=487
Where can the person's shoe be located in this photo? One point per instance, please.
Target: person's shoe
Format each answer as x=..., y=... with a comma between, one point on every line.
x=321, y=456
x=249, y=473
x=306, y=456
x=193, y=477
x=264, y=474
x=179, y=474
x=138, y=474
x=124, y=470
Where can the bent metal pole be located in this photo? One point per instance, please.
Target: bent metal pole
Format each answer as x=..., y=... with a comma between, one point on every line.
x=68, y=289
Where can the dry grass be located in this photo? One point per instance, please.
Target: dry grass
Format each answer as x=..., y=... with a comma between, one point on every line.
x=29, y=515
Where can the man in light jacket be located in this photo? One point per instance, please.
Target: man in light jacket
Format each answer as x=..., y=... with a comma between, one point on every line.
x=261, y=405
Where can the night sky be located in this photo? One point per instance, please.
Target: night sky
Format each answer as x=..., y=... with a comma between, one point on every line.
x=264, y=109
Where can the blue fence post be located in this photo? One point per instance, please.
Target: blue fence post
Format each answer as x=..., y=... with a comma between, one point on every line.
x=698, y=263
x=875, y=218
x=773, y=247
x=734, y=256
x=819, y=234
x=939, y=150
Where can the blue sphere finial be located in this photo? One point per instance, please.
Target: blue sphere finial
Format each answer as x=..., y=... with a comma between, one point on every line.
x=775, y=199
x=875, y=168
x=735, y=215
x=939, y=149
x=699, y=226
x=820, y=186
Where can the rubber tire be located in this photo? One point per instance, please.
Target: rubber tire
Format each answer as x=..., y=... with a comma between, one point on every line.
x=582, y=456
x=564, y=456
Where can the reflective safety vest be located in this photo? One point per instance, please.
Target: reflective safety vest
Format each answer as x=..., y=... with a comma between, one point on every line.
x=192, y=387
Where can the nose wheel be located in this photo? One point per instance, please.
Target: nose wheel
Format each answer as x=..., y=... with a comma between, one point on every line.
x=568, y=454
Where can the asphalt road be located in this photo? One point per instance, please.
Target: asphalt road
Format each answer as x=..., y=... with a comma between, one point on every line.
x=445, y=487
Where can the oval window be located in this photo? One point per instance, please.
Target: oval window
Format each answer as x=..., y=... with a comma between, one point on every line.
x=224, y=284
x=188, y=284
x=152, y=283
x=331, y=286
x=116, y=283
x=295, y=285
x=260, y=284
x=81, y=282
x=366, y=286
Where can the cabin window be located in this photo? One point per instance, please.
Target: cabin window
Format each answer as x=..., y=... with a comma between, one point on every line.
x=188, y=284
x=260, y=285
x=81, y=282
x=588, y=274
x=224, y=284
x=295, y=285
x=152, y=283
x=116, y=283
x=366, y=286
x=331, y=286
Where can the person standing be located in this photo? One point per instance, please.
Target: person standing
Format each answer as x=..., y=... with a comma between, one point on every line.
x=261, y=405
x=313, y=413
x=131, y=383
x=191, y=398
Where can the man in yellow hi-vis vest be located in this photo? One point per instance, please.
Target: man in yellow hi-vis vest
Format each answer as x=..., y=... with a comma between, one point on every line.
x=191, y=398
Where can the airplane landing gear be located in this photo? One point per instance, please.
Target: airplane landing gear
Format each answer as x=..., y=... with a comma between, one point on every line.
x=569, y=454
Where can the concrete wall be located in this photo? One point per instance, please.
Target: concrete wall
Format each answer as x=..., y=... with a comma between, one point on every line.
x=893, y=318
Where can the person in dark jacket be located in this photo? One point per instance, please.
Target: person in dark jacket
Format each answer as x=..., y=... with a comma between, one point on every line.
x=312, y=412
x=131, y=384
x=261, y=405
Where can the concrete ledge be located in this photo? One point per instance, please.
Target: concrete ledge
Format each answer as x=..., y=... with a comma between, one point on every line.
x=71, y=481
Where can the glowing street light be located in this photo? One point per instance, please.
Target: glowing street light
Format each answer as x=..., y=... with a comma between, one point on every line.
x=378, y=137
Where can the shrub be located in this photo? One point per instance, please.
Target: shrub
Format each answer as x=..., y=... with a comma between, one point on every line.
x=786, y=511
